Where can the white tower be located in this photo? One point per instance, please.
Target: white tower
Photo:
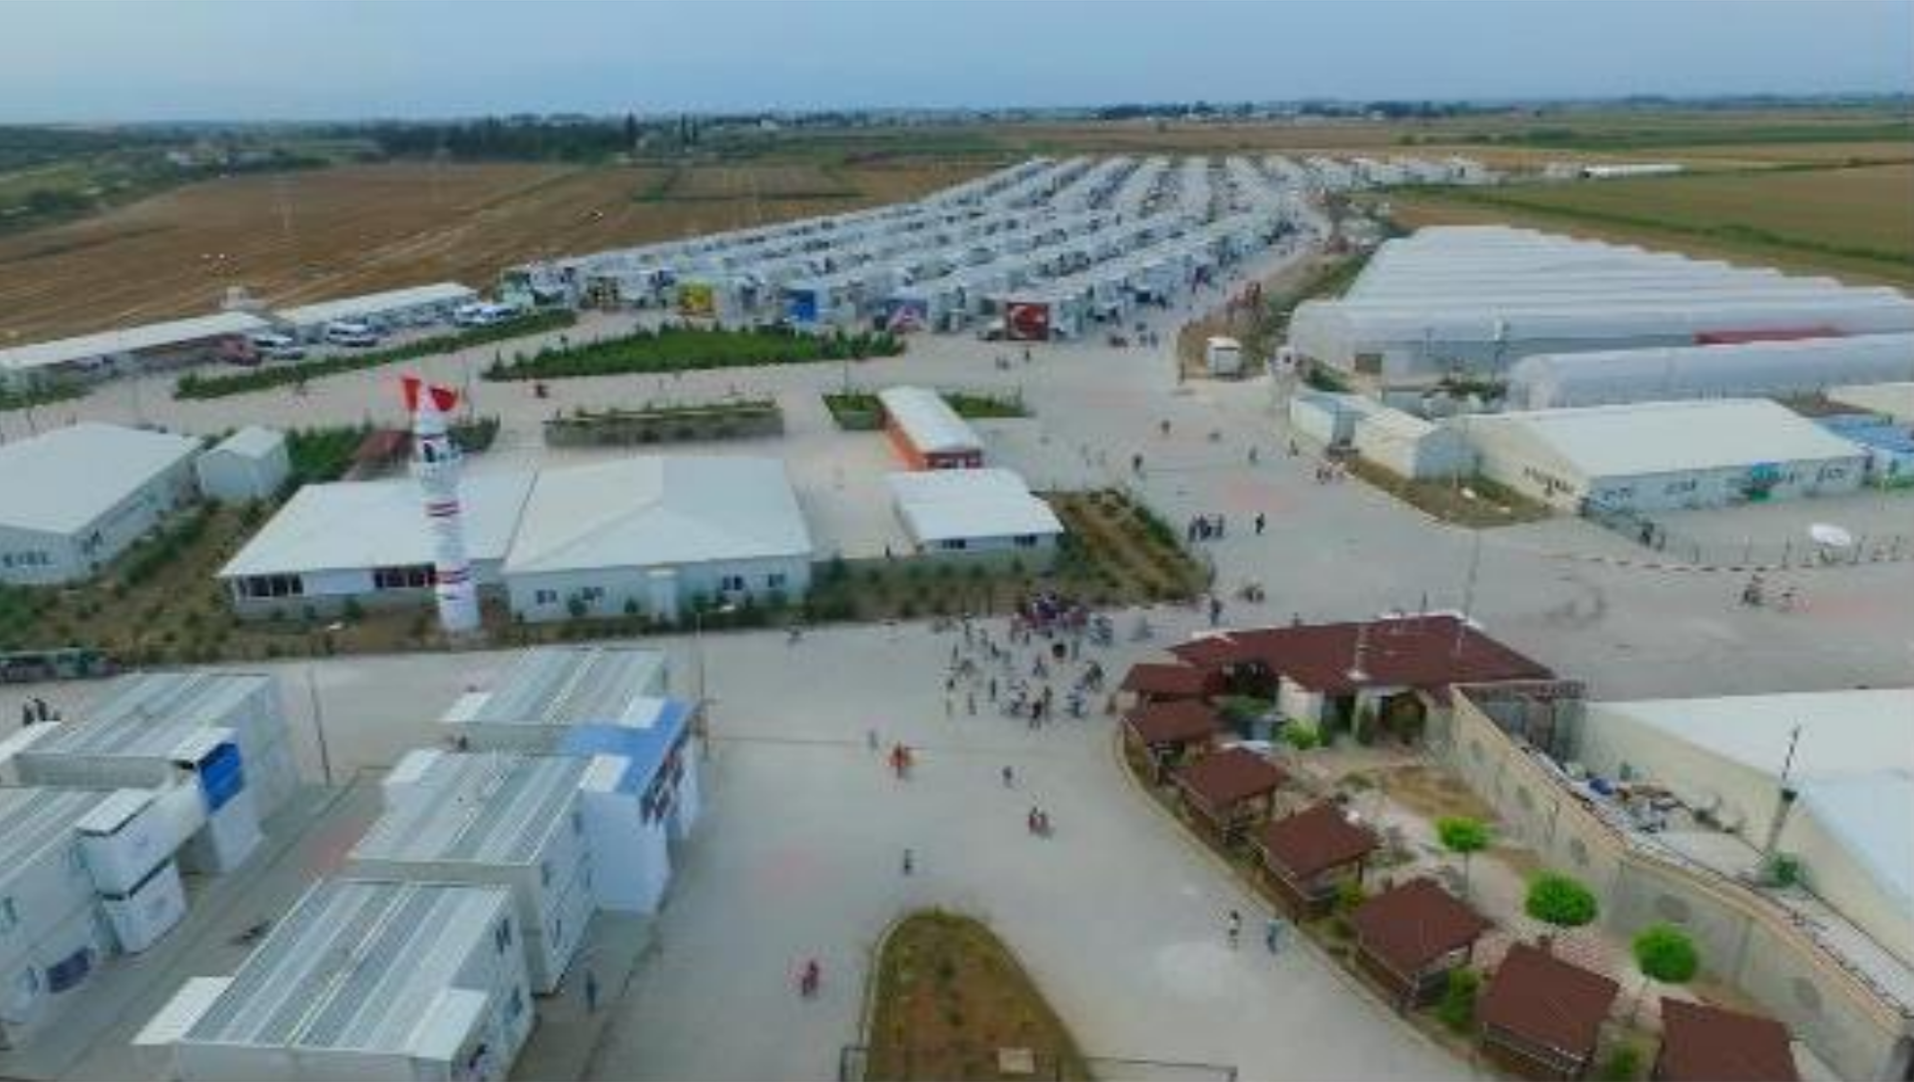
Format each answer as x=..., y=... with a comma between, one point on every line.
x=436, y=463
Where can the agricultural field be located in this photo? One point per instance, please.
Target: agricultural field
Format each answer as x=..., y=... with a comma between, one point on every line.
x=313, y=234
x=1855, y=223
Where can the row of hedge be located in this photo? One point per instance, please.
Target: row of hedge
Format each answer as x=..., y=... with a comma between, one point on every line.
x=193, y=385
x=677, y=349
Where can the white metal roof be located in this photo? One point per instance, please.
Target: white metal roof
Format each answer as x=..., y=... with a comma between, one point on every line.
x=357, y=965
x=1601, y=377
x=376, y=304
x=62, y=480
x=131, y=339
x=1671, y=437
x=252, y=441
x=1872, y=815
x=928, y=420
x=486, y=808
x=659, y=510
x=1896, y=400
x=948, y=505
x=33, y=820
x=360, y=524
x=150, y=715
x=572, y=685
x=1394, y=424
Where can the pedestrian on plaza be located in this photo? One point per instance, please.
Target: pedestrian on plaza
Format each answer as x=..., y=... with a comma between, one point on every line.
x=970, y=703
x=909, y=864
x=870, y=739
x=809, y=978
x=591, y=992
x=1262, y=520
x=1009, y=776
x=993, y=689
x=1216, y=610
x=1273, y=935
x=1219, y=527
x=1163, y=427
x=1232, y=927
x=1136, y=464
x=1254, y=455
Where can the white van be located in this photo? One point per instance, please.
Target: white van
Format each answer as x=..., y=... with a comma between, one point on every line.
x=483, y=314
x=355, y=335
x=277, y=347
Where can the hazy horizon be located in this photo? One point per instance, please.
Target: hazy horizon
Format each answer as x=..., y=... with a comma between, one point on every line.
x=303, y=60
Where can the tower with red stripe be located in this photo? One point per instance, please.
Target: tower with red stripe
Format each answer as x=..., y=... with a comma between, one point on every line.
x=436, y=464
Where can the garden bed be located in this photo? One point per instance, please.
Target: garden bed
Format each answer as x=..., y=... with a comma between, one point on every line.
x=678, y=349
x=193, y=385
x=1493, y=504
x=615, y=427
x=951, y=1002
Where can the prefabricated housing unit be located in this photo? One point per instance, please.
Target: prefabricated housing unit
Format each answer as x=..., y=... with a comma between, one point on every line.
x=84, y=873
x=926, y=433
x=1328, y=419
x=1408, y=446
x=500, y=819
x=389, y=310
x=549, y=690
x=212, y=747
x=251, y=464
x=1660, y=456
x=73, y=498
x=966, y=512
x=198, y=340
x=362, y=979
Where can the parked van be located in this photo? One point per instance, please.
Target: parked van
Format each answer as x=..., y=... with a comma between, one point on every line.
x=355, y=335
x=483, y=314
x=277, y=347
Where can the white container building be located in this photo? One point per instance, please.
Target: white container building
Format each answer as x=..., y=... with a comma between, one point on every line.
x=1326, y=418
x=251, y=464
x=172, y=344
x=974, y=512
x=73, y=498
x=363, y=979
x=211, y=747
x=393, y=309
x=551, y=690
x=1657, y=456
x=1739, y=370
x=84, y=874
x=1408, y=446
x=499, y=819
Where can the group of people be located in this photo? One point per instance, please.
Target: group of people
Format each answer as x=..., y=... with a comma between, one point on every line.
x=35, y=711
x=1755, y=594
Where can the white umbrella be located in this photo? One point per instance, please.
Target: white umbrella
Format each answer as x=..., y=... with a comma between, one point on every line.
x=1831, y=535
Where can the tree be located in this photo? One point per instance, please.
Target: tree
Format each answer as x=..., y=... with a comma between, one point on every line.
x=631, y=132
x=1665, y=954
x=1463, y=835
x=1561, y=900
x=1456, y=1008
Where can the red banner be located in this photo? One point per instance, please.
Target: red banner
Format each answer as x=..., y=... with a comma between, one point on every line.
x=443, y=398
x=1027, y=322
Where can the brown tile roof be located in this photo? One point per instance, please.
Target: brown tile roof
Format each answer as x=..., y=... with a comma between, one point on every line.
x=1316, y=840
x=1544, y=1000
x=1412, y=925
x=1700, y=1043
x=1162, y=681
x=1228, y=777
x=1179, y=721
x=1412, y=652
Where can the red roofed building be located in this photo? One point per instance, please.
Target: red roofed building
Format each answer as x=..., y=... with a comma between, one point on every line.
x=1409, y=937
x=1229, y=789
x=1542, y=1017
x=1310, y=855
x=1165, y=731
x=1152, y=681
x=1700, y=1043
x=1332, y=675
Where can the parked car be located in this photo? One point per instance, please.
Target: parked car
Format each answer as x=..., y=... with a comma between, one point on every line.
x=992, y=331
x=277, y=347
x=353, y=335
x=483, y=314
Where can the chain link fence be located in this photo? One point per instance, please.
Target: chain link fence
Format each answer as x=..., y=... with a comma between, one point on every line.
x=1678, y=547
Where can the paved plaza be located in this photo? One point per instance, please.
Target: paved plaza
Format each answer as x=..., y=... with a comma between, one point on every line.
x=1119, y=917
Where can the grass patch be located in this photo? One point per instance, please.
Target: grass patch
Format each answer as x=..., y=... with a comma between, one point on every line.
x=42, y=396
x=949, y=996
x=677, y=349
x=1494, y=504
x=192, y=385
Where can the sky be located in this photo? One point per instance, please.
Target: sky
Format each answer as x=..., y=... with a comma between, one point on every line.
x=75, y=60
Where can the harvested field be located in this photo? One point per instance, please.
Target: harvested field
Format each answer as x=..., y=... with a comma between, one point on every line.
x=332, y=232
x=1853, y=223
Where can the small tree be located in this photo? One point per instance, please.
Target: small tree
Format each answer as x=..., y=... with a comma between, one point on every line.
x=1465, y=836
x=1456, y=1009
x=1561, y=900
x=1665, y=954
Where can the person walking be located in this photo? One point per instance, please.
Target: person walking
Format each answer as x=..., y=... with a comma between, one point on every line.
x=1216, y=610
x=591, y=992
x=1009, y=776
x=1262, y=521
x=909, y=865
x=1233, y=928
x=1273, y=934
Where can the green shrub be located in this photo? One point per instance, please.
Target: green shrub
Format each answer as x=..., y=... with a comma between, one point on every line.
x=1624, y=1063
x=1456, y=1009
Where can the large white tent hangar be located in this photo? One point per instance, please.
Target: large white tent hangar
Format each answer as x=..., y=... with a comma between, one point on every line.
x=1664, y=455
x=1475, y=299
x=1730, y=370
x=74, y=498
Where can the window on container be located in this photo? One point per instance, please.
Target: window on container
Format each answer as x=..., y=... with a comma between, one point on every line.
x=954, y=544
x=545, y=597
x=413, y=577
x=731, y=582
x=592, y=593
x=1026, y=540
x=775, y=580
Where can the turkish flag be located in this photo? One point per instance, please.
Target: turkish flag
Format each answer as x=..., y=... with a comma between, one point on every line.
x=443, y=398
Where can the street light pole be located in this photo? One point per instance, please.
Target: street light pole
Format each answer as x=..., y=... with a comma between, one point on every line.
x=697, y=641
x=319, y=724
